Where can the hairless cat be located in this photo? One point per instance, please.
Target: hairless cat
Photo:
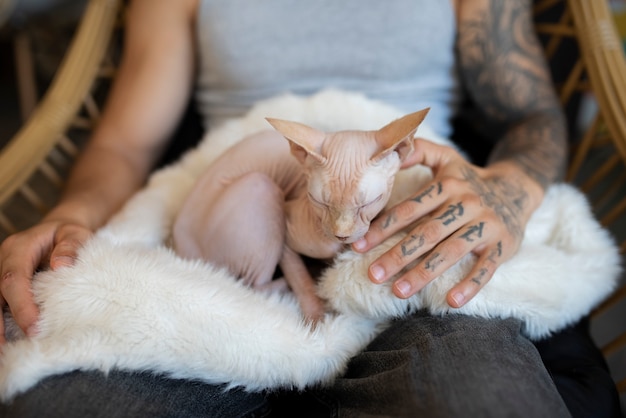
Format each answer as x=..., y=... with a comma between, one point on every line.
x=312, y=205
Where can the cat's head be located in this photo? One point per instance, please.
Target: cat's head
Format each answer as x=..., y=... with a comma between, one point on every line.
x=350, y=173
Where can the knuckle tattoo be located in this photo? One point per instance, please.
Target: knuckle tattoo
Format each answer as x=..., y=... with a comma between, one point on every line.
x=433, y=261
x=473, y=232
x=412, y=244
x=432, y=190
x=390, y=219
x=478, y=278
x=495, y=253
x=451, y=214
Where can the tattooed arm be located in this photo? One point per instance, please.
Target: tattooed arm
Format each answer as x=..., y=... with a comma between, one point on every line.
x=503, y=67
x=473, y=209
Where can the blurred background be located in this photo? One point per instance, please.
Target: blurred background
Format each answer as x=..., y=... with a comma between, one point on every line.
x=34, y=35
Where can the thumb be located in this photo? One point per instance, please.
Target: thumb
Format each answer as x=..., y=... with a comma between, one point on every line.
x=63, y=255
x=429, y=154
x=65, y=252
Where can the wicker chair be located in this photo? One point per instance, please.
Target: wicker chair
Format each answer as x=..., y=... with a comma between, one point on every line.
x=34, y=163
x=598, y=161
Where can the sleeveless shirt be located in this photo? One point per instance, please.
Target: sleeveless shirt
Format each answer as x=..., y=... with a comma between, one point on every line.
x=397, y=51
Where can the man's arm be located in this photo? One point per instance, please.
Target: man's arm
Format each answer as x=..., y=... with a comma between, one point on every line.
x=146, y=102
x=147, y=99
x=504, y=69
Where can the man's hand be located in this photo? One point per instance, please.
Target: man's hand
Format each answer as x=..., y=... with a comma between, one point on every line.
x=464, y=209
x=49, y=244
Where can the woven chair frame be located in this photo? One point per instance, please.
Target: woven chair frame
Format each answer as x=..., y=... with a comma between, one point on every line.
x=33, y=165
x=600, y=71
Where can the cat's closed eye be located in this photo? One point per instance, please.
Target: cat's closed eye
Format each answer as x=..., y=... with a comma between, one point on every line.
x=371, y=202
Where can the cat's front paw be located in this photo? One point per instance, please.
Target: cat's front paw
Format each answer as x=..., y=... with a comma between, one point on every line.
x=313, y=308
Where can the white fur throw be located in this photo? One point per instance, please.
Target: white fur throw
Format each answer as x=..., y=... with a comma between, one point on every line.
x=131, y=303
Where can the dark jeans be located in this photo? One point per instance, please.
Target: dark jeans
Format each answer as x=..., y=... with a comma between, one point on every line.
x=421, y=366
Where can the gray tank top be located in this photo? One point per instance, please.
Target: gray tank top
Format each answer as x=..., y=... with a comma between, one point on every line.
x=399, y=51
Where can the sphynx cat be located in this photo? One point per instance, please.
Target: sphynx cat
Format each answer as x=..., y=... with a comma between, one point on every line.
x=257, y=206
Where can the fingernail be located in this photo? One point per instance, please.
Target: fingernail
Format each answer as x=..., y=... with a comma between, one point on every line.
x=459, y=298
x=403, y=287
x=378, y=273
x=360, y=244
x=61, y=261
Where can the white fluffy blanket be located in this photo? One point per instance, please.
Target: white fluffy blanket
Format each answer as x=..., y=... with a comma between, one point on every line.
x=131, y=303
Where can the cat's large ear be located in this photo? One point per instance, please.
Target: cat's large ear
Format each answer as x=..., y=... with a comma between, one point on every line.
x=303, y=140
x=398, y=135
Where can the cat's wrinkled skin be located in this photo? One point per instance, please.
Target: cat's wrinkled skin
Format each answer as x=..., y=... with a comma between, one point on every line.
x=257, y=206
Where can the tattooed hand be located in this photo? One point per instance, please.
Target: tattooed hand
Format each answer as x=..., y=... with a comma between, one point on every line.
x=464, y=209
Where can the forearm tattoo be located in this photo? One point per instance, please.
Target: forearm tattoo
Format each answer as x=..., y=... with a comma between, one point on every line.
x=503, y=68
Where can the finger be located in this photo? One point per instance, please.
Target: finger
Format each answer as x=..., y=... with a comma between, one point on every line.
x=429, y=154
x=401, y=215
x=15, y=286
x=477, y=278
x=65, y=251
x=440, y=258
x=424, y=236
x=434, y=263
x=419, y=241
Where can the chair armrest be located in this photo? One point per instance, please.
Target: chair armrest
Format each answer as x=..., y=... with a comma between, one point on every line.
x=21, y=157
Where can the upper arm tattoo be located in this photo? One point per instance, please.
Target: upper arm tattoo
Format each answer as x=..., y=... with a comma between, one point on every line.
x=504, y=70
